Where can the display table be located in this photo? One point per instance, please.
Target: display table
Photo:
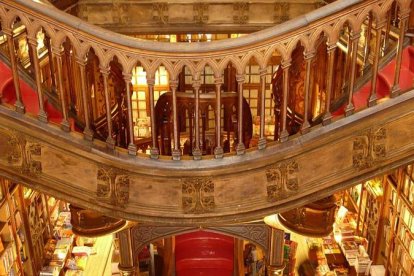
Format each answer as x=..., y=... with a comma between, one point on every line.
x=98, y=262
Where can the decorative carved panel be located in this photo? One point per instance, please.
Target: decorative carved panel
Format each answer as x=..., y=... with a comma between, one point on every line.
x=113, y=186
x=200, y=12
x=198, y=195
x=160, y=12
x=282, y=180
x=241, y=10
x=281, y=12
x=369, y=148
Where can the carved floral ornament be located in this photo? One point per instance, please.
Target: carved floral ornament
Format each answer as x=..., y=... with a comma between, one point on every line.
x=262, y=48
x=113, y=186
x=282, y=180
x=198, y=195
x=369, y=148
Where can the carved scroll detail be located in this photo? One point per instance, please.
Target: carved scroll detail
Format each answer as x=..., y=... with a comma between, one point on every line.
x=369, y=148
x=113, y=186
x=282, y=180
x=198, y=195
x=160, y=12
x=200, y=12
x=241, y=12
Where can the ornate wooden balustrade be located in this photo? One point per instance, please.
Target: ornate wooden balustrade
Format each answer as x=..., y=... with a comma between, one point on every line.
x=355, y=144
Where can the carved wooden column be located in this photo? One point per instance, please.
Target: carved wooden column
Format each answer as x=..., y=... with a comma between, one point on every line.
x=57, y=55
x=403, y=15
x=176, y=153
x=284, y=134
x=126, y=263
x=13, y=62
x=33, y=48
x=309, y=55
x=262, y=139
x=354, y=37
x=87, y=131
x=218, y=151
x=196, y=151
x=51, y=64
x=377, y=53
x=132, y=148
x=154, y=152
x=331, y=48
x=367, y=48
x=110, y=142
x=240, y=148
x=275, y=264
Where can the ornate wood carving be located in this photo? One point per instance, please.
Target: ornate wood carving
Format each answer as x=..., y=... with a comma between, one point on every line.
x=282, y=180
x=281, y=12
x=369, y=148
x=113, y=186
x=160, y=12
x=200, y=13
x=198, y=195
x=241, y=12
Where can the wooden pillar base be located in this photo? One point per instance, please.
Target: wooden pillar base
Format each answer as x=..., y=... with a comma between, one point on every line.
x=240, y=149
x=19, y=107
x=275, y=270
x=262, y=143
x=127, y=271
x=176, y=154
x=155, y=153
x=65, y=126
x=88, y=134
x=197, y=154
x=218, y=152
x=132, y=149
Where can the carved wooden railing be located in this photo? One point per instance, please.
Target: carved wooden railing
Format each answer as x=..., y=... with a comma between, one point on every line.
x=329, y=22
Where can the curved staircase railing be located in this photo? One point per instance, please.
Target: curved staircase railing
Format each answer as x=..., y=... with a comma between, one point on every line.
x=277, y=43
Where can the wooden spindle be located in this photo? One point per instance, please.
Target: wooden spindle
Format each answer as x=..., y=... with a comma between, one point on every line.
x=57, y=56
x=350, y=108
x=327, y=118
x=367, y=48
x=33, y=48
x=240, y=148
x=154, y=152
x=110, y=142
x=284, y=134
x=309, y=56
x=262, y=138
x=377, y=53
x=218, y=151
x=403, y=15
x=87, y=131
x=196, y=151
x=132, y=148
x=176, y=153
x=19, y=106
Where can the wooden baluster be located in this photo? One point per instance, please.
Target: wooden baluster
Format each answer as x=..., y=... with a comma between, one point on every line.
x=87, y=131
x=110, y=142
x=240, y=149
x=309, y=56
x=354, y=42
x=19, y=106
x=367, y=48
x=331, y=48
x=196, y=151
x=57, y=56
x=33, y=48
x=284, y=134
x=377, y=52
x=262, y=139
x=345, y=70
x=387, y=33
x=218, y=151
x=176, y=153
x=155, y=152
x=132, y=148
x=403, y=15
x=51, y=64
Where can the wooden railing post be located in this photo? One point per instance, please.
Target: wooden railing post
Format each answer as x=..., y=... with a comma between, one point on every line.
x=19, y=106
x=57, y=55
x=51, y=64
x=87, y=131
x=377, y=53
x=240, y=148
x=154, y=152
x=110, y=142
x=33, y=48
x=126, y=261
x=367, y=48
x=176, y=153
x=262, y=138
x=354, y=36
x=218, y=151
x=197, y=151
x=331, y=48
x=403, y=15
x=132, y=148
x=309, y=56
x=284, y=134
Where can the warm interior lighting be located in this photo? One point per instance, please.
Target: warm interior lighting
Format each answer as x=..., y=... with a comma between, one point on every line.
x=272, y=221
x=342, y=211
